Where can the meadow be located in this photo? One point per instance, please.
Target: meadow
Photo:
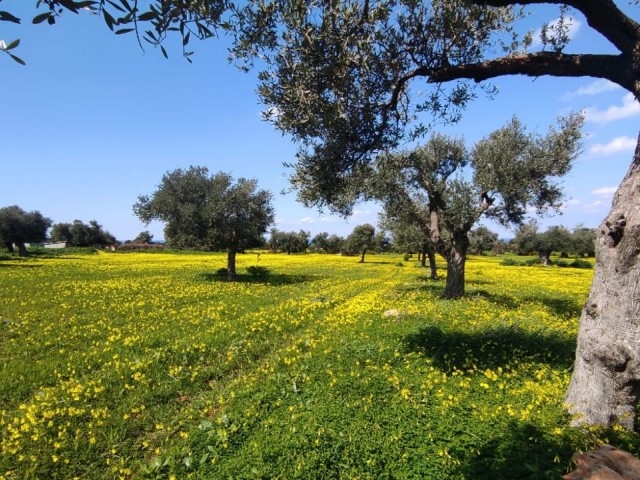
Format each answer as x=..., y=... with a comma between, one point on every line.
x=148, y=365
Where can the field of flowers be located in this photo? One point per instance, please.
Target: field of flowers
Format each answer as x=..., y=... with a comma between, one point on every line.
x=147, y=365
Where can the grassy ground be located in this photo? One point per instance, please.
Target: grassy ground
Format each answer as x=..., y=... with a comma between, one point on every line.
x=146, y=365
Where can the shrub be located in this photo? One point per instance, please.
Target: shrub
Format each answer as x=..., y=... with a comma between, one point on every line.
x=578, y=263
x=258, y=271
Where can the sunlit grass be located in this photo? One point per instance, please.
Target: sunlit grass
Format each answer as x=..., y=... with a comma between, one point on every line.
x=148, y=366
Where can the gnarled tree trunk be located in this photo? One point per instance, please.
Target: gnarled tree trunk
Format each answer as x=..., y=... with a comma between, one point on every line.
x=605, y=385
x=456, y=258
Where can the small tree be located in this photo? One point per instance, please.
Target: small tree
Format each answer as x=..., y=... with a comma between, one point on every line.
x=410, y=231
x=481, y=240
x=524, y=243
x=143, y=237
x=361, y=240
x=584, y=241
x=211, y=211
x=19, y=227
x=556, y=238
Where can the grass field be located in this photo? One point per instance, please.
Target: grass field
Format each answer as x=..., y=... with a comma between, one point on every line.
x=147, y=365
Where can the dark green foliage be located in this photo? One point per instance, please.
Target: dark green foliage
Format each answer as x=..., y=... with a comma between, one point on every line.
x=323, y=242
x=257, y=271
x=208, y=211
x=19, y=227
x=360, y=240
x=481, y=240
x=143, y=237
x=80, y=234
x=288, y=242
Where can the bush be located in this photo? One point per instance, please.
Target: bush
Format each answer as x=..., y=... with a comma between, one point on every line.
x=578, y=263
x=258, y=271
x=510, y=262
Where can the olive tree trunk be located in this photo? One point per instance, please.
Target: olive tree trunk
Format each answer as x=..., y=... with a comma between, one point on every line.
x=231, y=264
x=456, y=258
x=431, y=255
x=22, y=249
x=364, y=251
x=605, y=385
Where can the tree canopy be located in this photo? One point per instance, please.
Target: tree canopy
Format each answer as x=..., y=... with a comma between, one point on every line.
x=202, y=210
x=19, y=227
x=80, y=234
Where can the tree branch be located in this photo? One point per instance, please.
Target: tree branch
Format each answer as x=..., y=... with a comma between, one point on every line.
x=615, y=68
x=602, y=15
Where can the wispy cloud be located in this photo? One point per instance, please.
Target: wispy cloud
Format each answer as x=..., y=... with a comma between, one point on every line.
x=629, y=108
x=604, y=192
x=617, y=145
x=573, y=23
x=594, y=88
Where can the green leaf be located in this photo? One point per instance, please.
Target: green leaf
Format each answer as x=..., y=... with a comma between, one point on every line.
x=41, y=18
x=69, y=5
x=185, y=40
x=109, y=20
x=124, y=30
x=13, y=44
x=146, y=16
x=164, y=52
x=17, y=59
x=7, y=17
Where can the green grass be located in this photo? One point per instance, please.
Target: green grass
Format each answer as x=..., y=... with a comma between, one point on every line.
x=149, y=365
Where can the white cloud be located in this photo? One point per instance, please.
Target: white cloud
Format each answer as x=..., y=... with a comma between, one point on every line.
x=594, y=88
x=629, y=108
x=606, y=192
x=358, y=213
x=572, y=23
x=617, y=145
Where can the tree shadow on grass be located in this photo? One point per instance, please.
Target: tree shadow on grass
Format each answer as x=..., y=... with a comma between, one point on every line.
x=271, y=279
x=19, y=265
x=520, y=451
x=491, y=348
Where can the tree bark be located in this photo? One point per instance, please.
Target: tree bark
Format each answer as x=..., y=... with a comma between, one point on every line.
x=432, y=264
x=22, y=249
x=231, y=264
x=9, y=246
x=605, y=385
x=456, y=258
x=364, y=251
x=544, y=257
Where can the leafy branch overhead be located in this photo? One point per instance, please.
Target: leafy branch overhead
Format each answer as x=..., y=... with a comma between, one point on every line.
x=151, y=21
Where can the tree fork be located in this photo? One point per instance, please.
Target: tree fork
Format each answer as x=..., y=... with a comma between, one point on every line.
x=605, y=386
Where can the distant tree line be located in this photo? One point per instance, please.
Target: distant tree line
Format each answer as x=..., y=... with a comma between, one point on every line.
x=79, y=234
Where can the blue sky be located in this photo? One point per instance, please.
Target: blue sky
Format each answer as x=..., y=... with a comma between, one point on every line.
x=92, y=122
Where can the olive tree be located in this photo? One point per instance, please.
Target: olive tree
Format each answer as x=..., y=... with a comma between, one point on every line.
x=20, y=227
x=361, y=239
x=512, y=171
x=202, y=210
